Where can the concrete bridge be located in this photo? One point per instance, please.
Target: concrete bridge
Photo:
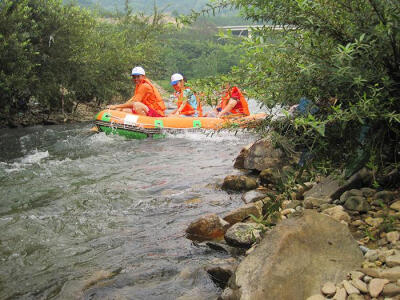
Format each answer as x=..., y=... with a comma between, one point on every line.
x=245, y=30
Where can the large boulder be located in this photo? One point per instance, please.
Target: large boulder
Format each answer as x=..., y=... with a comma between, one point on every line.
x=262, y=155
x=295, y=258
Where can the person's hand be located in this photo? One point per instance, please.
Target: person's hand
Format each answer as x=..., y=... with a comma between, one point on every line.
x=111, y=106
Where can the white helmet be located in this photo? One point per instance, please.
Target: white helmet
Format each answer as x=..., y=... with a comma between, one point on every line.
x=175, y=78
x=138, y=71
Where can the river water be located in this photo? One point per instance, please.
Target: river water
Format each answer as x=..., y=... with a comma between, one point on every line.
x=86, y=216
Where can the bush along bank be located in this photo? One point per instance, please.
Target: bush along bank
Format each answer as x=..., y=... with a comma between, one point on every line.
x=325, y=238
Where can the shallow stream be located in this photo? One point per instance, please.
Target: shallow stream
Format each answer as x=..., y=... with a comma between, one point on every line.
x=86, y=216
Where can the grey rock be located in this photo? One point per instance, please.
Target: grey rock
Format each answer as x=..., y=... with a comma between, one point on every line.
x=239, y=183
x=241, y=235
x=241, y=213
x=253, y=196
x=357, y=203
x=262, y=155
x=314, y=245
x=391, y=290
x=385, y=196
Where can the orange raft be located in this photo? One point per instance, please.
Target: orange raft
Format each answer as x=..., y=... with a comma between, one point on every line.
x=140, y=127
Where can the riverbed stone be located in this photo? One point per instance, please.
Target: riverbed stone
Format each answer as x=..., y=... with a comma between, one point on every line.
x=291, y=204
x=360, y=285
x=374, y=222
x=390, y=290
x=207, y=227
x=393, y=236
x=287, y=211
x=253, y=196
x=357, y=203
x=341, y=294
x=323, y=190
x=354, y=275
x=328, y=289
x=338, y=213
x=313, y=244
x=393, y=260
x=375, y=287
x=395, y=206
x=350, y=289
x=314, y=202
x=385, y=196
x=242, y=234
x=392, y=274
x=368, y=192
x=239, y=183
x=262, y=155
x=241, y=213
x=270, y=176
x=347, y=194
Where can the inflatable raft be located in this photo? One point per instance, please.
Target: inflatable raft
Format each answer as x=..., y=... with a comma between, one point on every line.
x=140, y=127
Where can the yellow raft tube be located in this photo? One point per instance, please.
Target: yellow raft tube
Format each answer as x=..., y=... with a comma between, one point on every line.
x=140, y=127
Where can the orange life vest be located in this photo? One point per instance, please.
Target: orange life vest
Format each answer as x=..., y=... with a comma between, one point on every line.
x=151, y=98
x=188, y=109
x=241, y=106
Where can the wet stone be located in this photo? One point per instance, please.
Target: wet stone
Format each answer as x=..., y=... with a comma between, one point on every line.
x=241, y=235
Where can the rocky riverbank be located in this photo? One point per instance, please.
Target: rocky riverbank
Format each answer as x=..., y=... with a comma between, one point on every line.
x=32, y=116
x=327, y=239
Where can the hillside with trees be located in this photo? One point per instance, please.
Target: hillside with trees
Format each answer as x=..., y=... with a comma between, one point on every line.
x=56, y=56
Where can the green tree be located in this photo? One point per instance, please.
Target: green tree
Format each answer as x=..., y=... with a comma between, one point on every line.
x=342, y=55
x=59, y=55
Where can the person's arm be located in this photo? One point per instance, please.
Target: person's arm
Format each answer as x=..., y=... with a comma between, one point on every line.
x=231, y=104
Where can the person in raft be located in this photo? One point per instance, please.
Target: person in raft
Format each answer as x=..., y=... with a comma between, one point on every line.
x=232, y=103
x=146, y=100
x=188, y=103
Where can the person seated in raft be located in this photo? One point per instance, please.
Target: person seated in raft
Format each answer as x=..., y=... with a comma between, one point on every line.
x=188, y=103
x=232, y=103
x=146, y=100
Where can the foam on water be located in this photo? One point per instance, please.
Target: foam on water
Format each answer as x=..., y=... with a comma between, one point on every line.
x=33, y=158
x=102, y=138
x=207, y=135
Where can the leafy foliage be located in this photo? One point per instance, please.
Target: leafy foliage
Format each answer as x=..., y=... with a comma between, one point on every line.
x=342, y=55
x=55, y=55
x=197, y=52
